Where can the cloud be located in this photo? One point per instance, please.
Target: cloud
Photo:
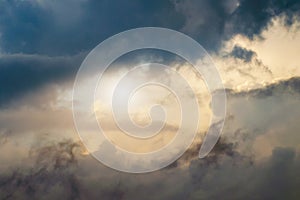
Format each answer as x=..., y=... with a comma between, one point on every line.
x=204, y=21
x=43, y=27
x=51, y=176
x=267, y=116
x=213, y=22
x=231, y=178
x=39, y=33
x=56, y=174
x=4, y=134
x=252, y=17
x=21, y=74
x=233, y=170
x=282, y=87
x=242, y=53
x=256, y=158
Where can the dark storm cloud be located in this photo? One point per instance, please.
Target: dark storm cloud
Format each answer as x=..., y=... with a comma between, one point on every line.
x=242, y=53
x=69, y=27
x=212, y=21
x=66, y=28
x=253, y=16
x=58, y=30
x=20, y=74
x=204, y=21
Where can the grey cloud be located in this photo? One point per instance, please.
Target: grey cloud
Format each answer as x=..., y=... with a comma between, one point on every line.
x=290, y=86
x=222, y=148
x=221, y=175
x=253, y=16
x=50, y=178
x=35, y=27
x=59, y=172
x=21, y=74
x=242, y=53
x=212, y=22
x=226, y=173
x=264, y=117
x=252, y=61
x=70, y=27
x=4, y=134
x=205, y=21
x=230, y=179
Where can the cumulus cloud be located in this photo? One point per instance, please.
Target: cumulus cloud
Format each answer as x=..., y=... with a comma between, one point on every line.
x=42, y=48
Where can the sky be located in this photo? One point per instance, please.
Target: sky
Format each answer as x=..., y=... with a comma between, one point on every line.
x=254, y=44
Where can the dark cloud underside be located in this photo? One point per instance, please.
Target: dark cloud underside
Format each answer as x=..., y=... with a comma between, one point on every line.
x=224, y=174
x=20, y=74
